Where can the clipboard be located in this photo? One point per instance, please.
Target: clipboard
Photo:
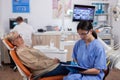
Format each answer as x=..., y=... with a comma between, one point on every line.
x=74, y=67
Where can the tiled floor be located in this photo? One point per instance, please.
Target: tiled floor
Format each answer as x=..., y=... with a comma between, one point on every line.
x=6, y=73
x=113, y=75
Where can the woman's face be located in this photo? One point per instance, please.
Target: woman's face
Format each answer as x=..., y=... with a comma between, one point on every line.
x=18, y=40
x=84, y=34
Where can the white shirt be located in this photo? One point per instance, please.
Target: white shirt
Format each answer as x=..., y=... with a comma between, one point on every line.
x=25, y=31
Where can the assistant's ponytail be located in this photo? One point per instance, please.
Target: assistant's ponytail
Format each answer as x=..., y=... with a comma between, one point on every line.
x=94, y=34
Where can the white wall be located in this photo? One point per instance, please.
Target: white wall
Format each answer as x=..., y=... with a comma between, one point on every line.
x=6, y=13
x=1, y=28
x=0, y=14
x=40, y=14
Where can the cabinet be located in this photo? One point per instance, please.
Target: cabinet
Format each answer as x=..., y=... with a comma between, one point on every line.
x=102, y=13
x=0, y=57
x=103, y=20
x=53, y=52
x=45, y=38
x=4, y=53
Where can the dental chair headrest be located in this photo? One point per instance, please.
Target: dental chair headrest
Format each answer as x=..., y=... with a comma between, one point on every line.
x=8, y=44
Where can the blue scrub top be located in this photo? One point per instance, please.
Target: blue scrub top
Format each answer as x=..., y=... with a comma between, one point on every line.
x=90, y=56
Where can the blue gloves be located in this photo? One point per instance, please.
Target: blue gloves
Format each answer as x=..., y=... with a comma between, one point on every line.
x=72, y=70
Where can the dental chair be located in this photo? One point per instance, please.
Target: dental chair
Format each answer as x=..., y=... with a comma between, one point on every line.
x=23, y=70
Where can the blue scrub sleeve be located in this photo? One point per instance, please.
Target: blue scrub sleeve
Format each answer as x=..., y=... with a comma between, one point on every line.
x=100, y=61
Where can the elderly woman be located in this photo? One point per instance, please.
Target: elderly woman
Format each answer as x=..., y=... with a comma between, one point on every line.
x=35, y=60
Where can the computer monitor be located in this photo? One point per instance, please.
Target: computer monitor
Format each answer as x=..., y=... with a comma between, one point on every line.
x=13, y=23
x=83, y=12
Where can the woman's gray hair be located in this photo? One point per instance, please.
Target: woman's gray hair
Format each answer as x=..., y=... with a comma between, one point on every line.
x=11, y=36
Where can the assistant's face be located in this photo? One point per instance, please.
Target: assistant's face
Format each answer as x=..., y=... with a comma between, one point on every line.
x=84, y=34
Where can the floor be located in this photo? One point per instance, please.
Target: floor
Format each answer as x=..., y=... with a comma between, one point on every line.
x=6, y=73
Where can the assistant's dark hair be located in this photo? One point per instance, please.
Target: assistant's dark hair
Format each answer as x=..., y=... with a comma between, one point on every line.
x=19, y=19
x=86, y=25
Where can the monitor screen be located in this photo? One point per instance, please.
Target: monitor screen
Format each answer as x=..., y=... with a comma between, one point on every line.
x=13, y=23
x=83, y=12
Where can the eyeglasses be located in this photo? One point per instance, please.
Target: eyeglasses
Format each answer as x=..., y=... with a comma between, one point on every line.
x=83, y=34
